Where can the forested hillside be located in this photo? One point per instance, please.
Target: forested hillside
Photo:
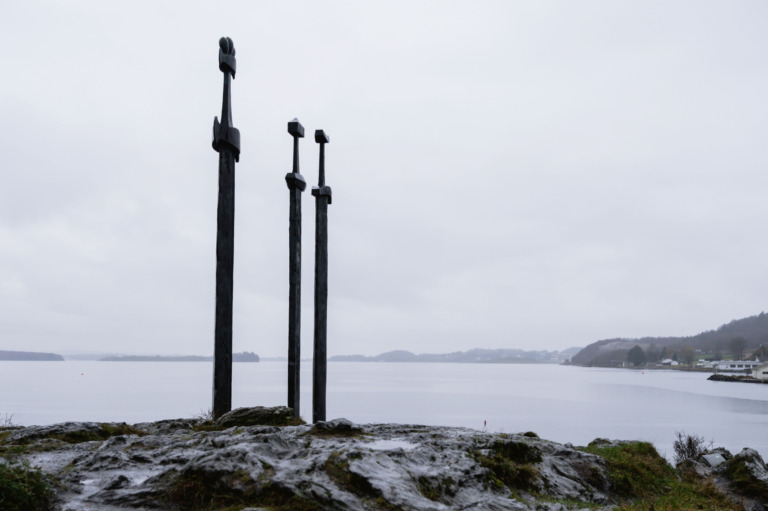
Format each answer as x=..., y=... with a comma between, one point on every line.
x=736, y=339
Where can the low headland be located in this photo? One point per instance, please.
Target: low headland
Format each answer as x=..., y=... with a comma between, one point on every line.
x=264, y=459
x=473, y=356
x=743, y=339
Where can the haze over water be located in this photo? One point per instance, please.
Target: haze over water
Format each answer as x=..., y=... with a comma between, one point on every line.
x=560, y=403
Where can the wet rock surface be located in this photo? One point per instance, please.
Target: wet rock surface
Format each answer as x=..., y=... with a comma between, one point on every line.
x=337, y=465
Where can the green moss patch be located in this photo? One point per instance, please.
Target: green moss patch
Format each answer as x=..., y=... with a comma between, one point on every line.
x=337, y=468
x=195, y=491
x=105, y=431
x=510, y=464
x=436, y=489
x=519, y=452
x=338, y=429
x=85, y=432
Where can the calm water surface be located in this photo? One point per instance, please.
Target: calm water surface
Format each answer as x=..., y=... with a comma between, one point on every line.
x=565, y=404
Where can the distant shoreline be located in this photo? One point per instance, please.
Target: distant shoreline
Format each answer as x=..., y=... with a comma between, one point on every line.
x=236, y=357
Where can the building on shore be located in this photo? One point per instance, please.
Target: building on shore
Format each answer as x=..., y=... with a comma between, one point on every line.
x=735, y=366
x=761, y=372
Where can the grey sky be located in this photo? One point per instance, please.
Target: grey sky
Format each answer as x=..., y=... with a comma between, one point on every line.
x=531, y=175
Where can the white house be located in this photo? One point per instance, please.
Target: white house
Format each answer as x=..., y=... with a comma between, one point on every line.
x=736, y=366
x=761, y=372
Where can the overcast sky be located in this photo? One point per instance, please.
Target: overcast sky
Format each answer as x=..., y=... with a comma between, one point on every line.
x=532, y=175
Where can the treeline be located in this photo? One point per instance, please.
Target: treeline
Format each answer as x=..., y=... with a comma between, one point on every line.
x=739, y=339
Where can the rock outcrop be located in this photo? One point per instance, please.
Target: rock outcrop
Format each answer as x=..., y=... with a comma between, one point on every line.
x=336, y=465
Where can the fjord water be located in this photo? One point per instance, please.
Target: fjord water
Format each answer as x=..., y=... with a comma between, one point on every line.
x=560, y=403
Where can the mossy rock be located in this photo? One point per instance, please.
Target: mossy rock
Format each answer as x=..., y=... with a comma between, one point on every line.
x=257, y=416
x=336, y=428
x=70, y=432
x=338, y=470
x=510, y=463
x=437, y=489
x=199, y=491
x=519, y=452
x=743, y=471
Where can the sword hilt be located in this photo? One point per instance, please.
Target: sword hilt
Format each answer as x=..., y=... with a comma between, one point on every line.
x=322, y=139
x=295, y=179
x=224, y=134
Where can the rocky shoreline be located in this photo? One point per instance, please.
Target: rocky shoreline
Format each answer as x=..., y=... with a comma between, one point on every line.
x=730, y=377
x=260, y=458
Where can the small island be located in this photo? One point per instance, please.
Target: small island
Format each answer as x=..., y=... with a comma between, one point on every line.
x=28, y=356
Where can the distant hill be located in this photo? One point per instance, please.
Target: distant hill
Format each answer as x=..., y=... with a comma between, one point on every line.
x=502, y=356
x=752, y=330
x=245, y=356
x=29, y=356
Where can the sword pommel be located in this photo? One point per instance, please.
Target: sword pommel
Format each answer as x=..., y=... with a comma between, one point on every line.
x=296, y=129
x=227, y=61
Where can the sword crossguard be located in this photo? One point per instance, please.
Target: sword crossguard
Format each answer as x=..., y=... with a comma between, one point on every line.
x=226, y=136
x=295, y=181
x=323, y=191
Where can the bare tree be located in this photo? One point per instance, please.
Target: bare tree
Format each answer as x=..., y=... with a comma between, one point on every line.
x=689, y=446
x=738, y=345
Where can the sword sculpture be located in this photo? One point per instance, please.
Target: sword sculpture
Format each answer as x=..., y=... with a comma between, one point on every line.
x=226, y=141
x=296, y=185
x=322, y=196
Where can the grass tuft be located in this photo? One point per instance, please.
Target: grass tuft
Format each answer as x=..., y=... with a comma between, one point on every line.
x=643, y=480
x=635, y=470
